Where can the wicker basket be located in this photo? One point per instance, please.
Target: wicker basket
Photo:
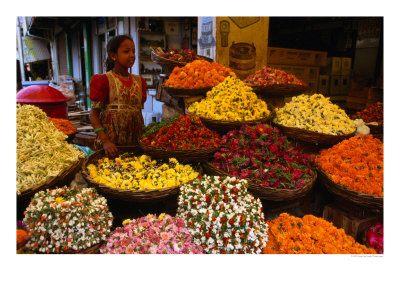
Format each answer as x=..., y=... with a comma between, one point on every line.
x=175, y=92
x=64, y=178
x=191, y=155
x=312, y=136
x=223, y=126
x=266, y=193
x=359, y=198
x=141, y=196
x=91, y=250
x=168, y=64
x=274, y=90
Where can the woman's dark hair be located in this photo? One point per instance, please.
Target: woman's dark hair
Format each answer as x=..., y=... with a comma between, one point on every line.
x=112, y=47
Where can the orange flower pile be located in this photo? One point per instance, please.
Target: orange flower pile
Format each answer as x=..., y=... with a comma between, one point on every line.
x=309, y=235
x=356, y=164
x=21, y=235
x=63, y=125
x=198, y=74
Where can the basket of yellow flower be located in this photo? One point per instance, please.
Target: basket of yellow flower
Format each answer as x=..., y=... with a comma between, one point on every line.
x=230, y=105
x=225, y=125
x=314, y=119
x=135, y=177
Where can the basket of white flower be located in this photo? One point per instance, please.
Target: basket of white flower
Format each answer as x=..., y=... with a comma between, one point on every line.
x=222, y=216
x=313, y=136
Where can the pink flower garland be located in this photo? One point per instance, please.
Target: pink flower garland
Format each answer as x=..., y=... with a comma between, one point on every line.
x=151, y=235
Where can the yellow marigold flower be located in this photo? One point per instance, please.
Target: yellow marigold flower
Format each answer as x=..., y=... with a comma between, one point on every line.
x=60, y=200
x=126, y=222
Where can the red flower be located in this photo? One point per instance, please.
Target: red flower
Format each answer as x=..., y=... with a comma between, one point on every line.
x=273, y=148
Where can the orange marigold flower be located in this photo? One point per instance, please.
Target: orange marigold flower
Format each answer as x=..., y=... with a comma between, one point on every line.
x=309, y=235
x=355, y=163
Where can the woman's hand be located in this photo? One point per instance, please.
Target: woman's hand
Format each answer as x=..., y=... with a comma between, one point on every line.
x=110, y=149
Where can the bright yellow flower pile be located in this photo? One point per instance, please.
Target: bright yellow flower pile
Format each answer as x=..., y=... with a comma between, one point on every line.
x=140, y=173
x=231, y=100
x=314, y=113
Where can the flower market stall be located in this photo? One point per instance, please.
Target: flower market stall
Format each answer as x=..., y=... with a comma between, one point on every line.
x=230, y=176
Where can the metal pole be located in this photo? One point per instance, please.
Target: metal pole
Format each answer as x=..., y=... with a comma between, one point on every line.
x=20, y=51
x=88, y=60
x=69, y=54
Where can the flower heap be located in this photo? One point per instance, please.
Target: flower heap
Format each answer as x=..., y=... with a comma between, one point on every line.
x=154, y=127
x=67, y=219
x=270, y=76
x=356, y=164
x=180, y=55
x=265, y=157
x=373, y=113
x=140, y=172
x=188, y=132
x=198, y=74
x=309, y=235
x=222, y=216
x=63, y=125
x=374, y=237
x=42, y=151
x=314, y=113
x=231, y=100
x=151, y=235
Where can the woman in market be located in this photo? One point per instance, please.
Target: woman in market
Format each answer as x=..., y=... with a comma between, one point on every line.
x=118, y=98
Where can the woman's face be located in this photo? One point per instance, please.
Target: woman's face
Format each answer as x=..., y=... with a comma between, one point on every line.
x=126, y=54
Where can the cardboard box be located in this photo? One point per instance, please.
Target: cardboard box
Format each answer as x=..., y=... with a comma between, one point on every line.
x=356, y=103
x=334, y=65
x=375, y=93
x=344, y=85
x=312, y=86
x=296, y=57
x=351, y=224
x=302, y=73
x=335, y=85
x=346, y=66
x=323, y=84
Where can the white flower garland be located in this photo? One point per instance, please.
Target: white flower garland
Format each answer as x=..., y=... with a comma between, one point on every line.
x=222, y=216
x=67, y=219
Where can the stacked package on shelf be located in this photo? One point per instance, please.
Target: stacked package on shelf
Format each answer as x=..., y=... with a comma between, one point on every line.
x=303, y=64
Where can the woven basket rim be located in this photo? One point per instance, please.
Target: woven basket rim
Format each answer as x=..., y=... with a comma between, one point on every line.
x=54, y=180
x=233, y=123
x=173, y=62
x=178, y=151
x=297, y=132
x=135, y=194
x=189, y=92
x=95, y=249
x=279, y=89
x=259, y=188
x=361, y=195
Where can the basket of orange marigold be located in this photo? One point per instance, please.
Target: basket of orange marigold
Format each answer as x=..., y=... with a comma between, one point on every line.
x=309, y=235
x=353, y=169
x=196, y=78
